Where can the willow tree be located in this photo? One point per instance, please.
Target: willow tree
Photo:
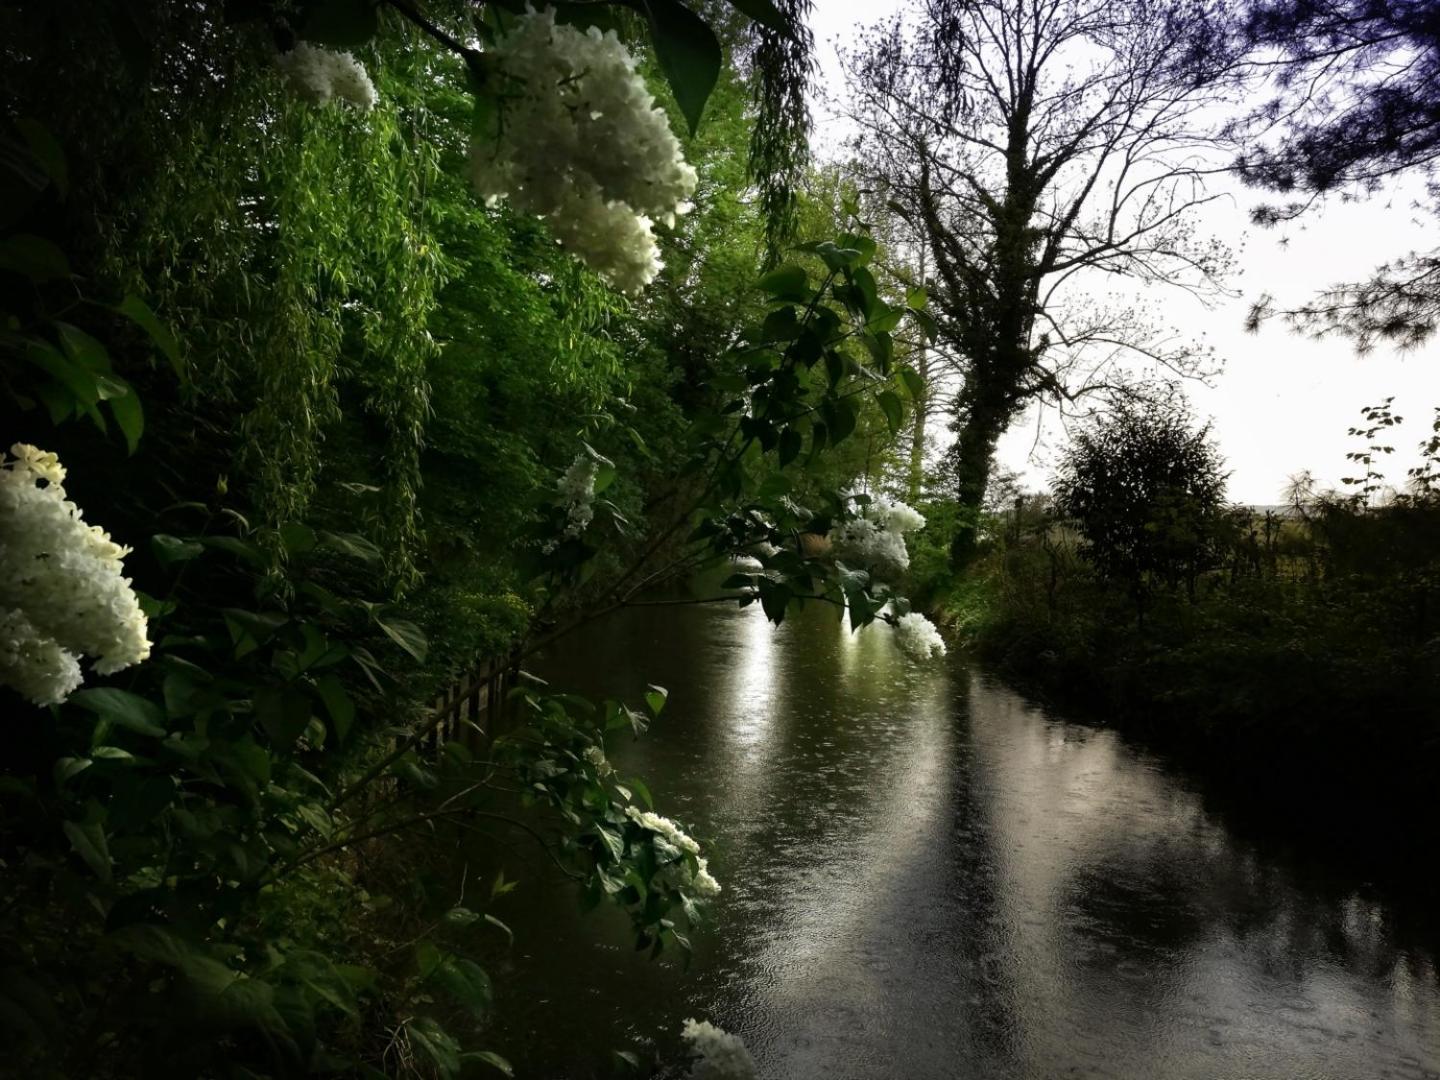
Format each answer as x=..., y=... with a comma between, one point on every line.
x=1035, y=144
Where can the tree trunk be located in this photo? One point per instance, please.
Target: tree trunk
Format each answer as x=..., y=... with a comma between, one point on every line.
x=974, y=453
x=917, y=434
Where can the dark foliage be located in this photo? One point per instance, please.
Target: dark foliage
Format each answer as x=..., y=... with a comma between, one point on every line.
x=1357, y=107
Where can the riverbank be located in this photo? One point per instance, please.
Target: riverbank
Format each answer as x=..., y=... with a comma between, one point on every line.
x=1314, y=689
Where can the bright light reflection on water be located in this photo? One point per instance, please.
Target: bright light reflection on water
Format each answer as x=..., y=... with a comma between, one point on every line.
x=927, y=877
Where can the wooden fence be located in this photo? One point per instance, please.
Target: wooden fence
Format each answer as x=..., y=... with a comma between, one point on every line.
x=476, y=702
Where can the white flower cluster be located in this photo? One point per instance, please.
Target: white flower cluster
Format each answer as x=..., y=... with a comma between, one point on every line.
x=876, y=538
x=62, y=595
x=583, y=145
x=596, y=757
x=917, y=637
x=722, y=1056
x=318, y=74
x=672, y=841
x=577, y=492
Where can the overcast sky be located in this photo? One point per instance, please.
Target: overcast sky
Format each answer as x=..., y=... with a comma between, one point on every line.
x=1283, y=403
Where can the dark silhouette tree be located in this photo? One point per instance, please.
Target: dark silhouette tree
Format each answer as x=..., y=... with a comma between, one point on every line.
x=1356, y=106
x=1035, y=144
x=1146, y=488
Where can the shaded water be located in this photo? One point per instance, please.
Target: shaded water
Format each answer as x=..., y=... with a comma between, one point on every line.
x=927, y=877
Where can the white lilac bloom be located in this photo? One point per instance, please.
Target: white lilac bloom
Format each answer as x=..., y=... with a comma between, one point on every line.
x=705, y=883
x=583, y=145
x=668, y=830
x=63, y=595
x=577, y=493
x=672, y=843
x=917, y=637
x=596, y=757
x=875, y=538
x=319, y=75
x=722, y=1056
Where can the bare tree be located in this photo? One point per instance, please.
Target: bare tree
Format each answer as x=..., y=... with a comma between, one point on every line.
x=1035, y=144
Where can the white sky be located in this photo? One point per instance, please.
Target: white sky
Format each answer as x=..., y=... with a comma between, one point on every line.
x=1283, y=402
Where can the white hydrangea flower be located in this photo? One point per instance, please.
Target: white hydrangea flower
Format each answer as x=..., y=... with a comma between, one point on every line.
x=917, y=637
x=583, y=145
x=722, y=1056
x=577, y=492
x=62, y=595
x=317, y=75
x=876, y=538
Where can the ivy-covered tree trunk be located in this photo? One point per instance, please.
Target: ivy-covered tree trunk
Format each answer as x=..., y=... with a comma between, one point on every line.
x=973, y=453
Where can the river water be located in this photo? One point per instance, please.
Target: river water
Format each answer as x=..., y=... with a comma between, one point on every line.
x=925, y=876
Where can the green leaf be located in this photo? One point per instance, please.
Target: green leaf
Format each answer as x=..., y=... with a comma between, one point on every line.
x=111, y=753
x=171, y=549
x=352, y=544
x=765, y=13
x=466, y=982
x=884, y=318
x=33, y=257
x=436, y=1044
x=643, y=790
x=46, y=151
x=341, y=24
x=124, y=709
x=74, y=377
x=67, y=768
x=842, y=416
x=493, y=921
x=914, y=383
x=297, y=537
x=782, y=324
x=427, y=958
x=688, y=52
x=338, y=704
x=655, y=697
x=233, y=545
x=283, y=713
x=129, y=415
x=405, y=634
x=259, y=626
x=788, y=282
x=138, y=312
x=489, y=1057
x=917, y=298
x=460, y=916
x=791, y=443
x=889, y=402
x=88, y=839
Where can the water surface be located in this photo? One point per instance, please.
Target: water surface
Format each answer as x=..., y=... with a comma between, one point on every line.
x=926, y=876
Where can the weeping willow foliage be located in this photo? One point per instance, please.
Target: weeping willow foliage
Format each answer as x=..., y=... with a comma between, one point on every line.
x=294, y=248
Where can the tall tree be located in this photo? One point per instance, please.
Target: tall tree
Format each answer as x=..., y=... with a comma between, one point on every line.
x=1032, y=141
x=1356, y=106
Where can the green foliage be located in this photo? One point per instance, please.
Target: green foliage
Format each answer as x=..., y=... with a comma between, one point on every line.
x=1146, y=492
x=359, y=386
x=1312, y=626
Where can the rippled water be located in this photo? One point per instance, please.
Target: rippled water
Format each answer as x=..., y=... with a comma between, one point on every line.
x=925, y=876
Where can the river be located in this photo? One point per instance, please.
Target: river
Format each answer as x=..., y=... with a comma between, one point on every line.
x=926, y=876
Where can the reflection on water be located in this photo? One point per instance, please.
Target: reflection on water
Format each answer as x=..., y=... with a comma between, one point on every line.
x=927, y=877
